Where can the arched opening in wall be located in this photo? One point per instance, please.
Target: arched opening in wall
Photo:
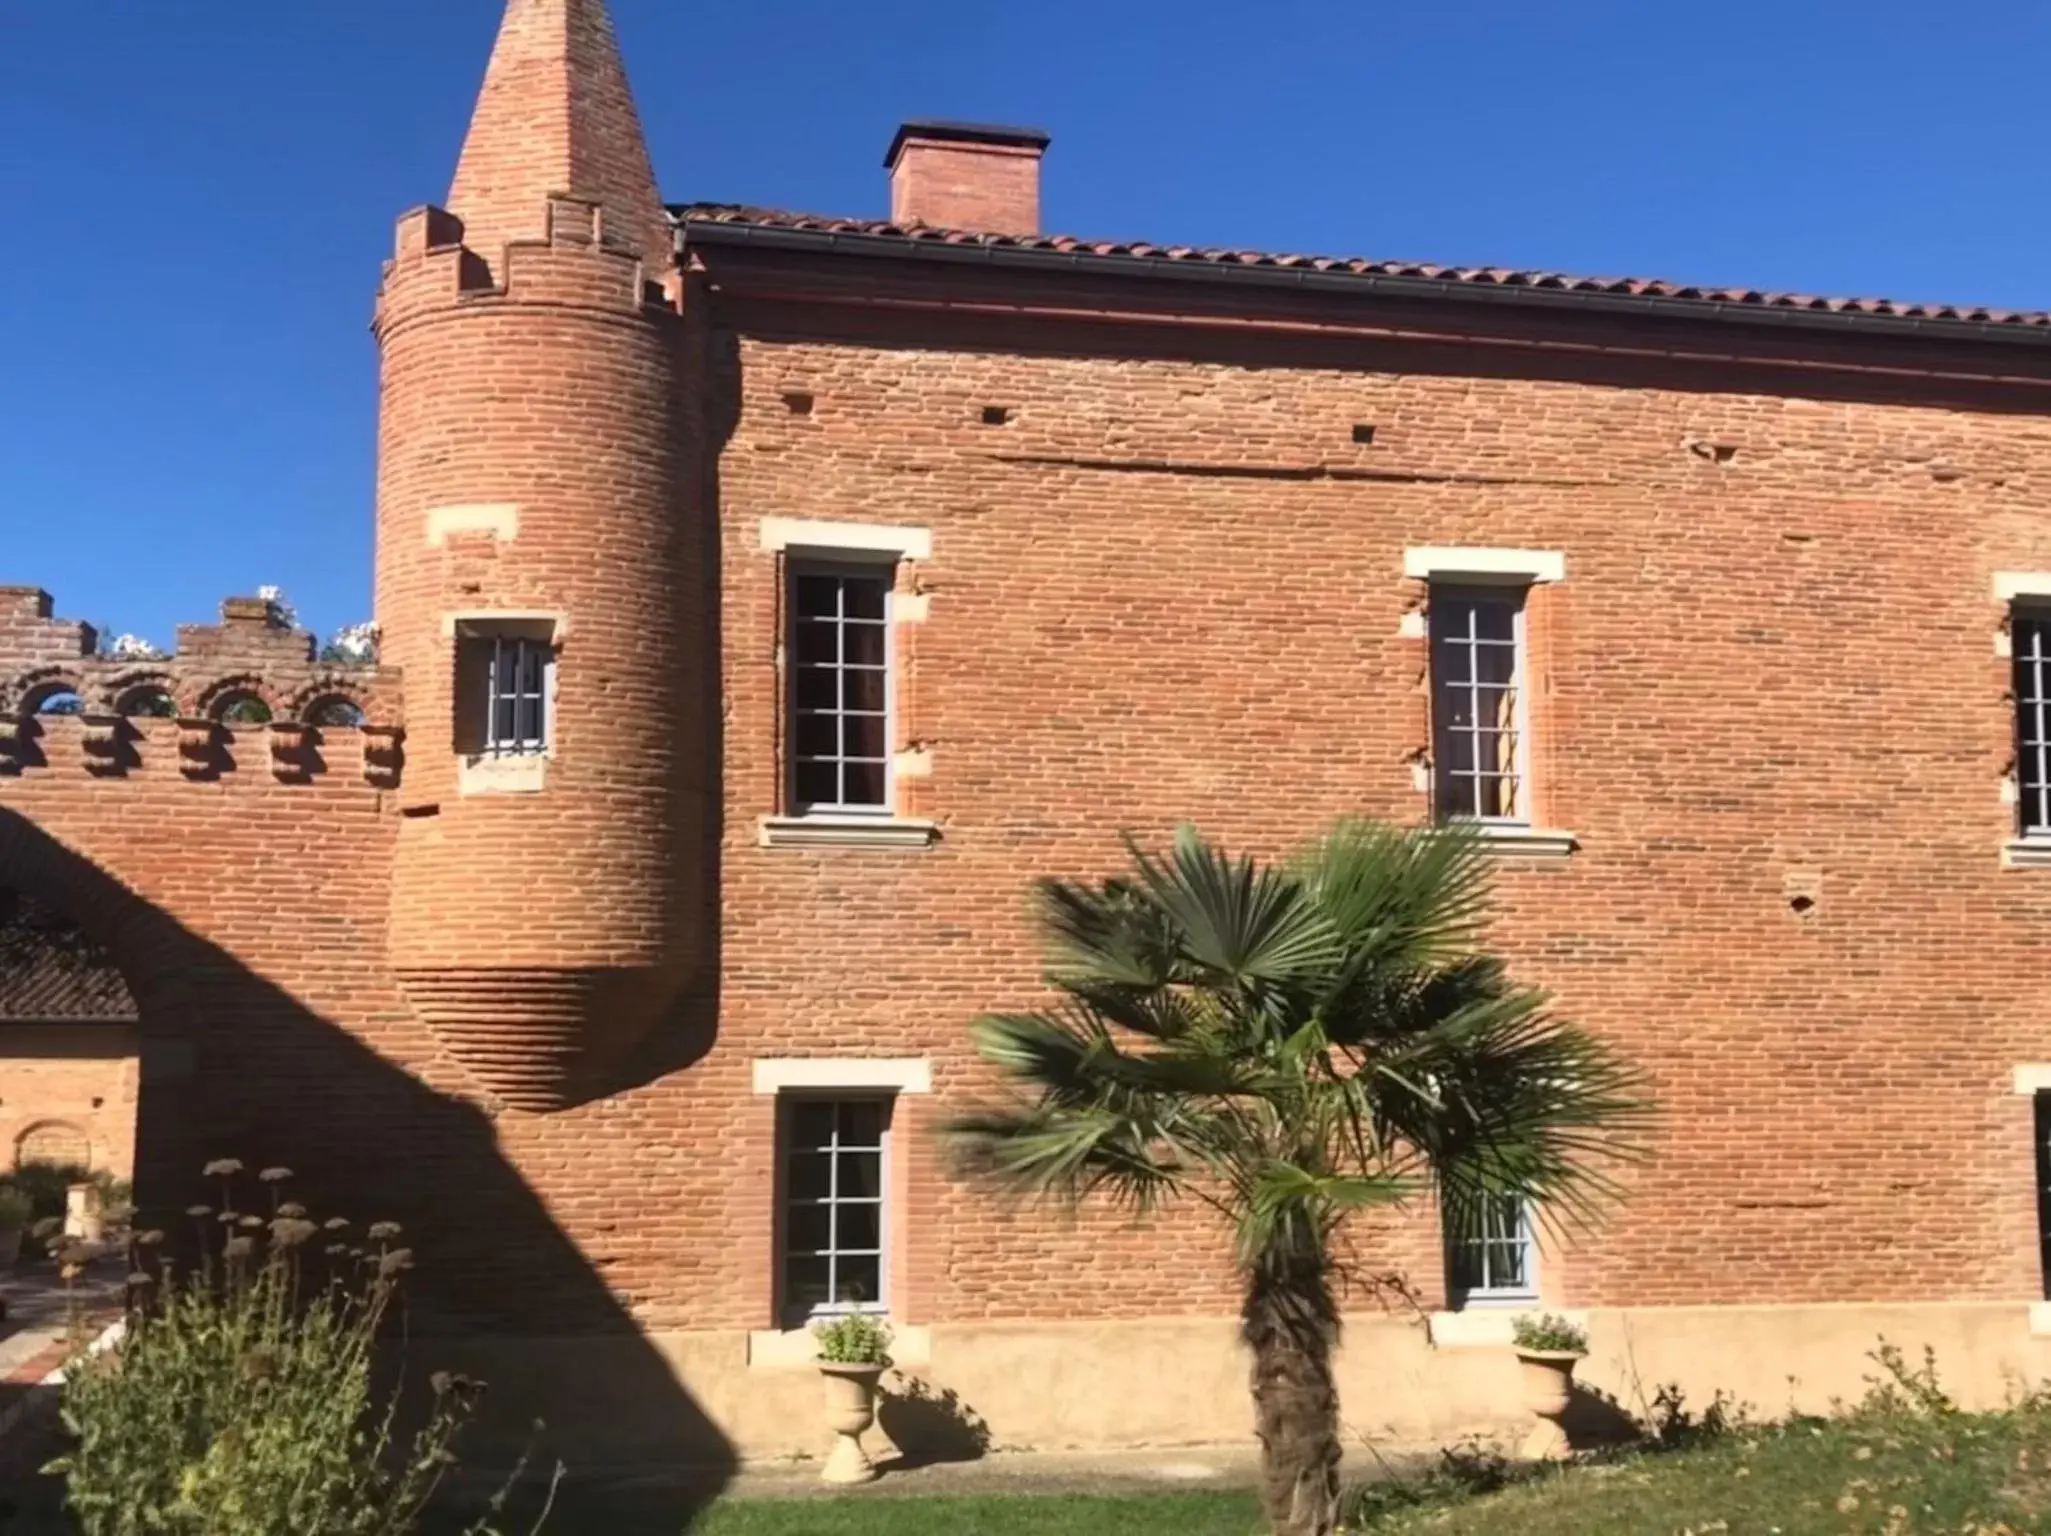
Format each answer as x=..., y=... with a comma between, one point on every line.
x=41, y=706
x=70, y=1058
x=147, y=701
x=334, y=711
x=55, y=700
x=55, y=1143
x=242, y=706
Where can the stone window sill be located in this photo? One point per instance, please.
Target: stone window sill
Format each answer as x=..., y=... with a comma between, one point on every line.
x=786, y=1349
x=2027, y=853
x=522, y=775
x=1488, y=1324
x=847, y=832
x=1514, y=842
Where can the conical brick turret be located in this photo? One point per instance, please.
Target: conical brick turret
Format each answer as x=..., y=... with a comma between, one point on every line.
x=556, y=117
x=533, y=516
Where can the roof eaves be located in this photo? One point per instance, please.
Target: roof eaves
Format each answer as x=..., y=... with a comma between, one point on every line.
x=732, y=225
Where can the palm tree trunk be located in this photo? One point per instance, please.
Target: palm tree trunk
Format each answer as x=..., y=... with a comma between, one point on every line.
x=1290, y=1323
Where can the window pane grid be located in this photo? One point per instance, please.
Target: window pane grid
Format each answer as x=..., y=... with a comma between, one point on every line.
x=833, y=1214
x=516, y=702
x=1495, y=1256
x=840, y=696
x=1477, y=664
x=2030, y=636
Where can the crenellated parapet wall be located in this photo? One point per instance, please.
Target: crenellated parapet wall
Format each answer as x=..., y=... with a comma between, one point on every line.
x=583, y=263
x=246, y=694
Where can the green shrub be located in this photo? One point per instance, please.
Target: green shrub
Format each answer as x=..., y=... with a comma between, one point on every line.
x=1547, y=1332
x=240, y=1400
x=17, y=1211
x=856, y=1339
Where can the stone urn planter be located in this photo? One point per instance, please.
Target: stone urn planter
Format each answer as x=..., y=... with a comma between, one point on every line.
x=854, y=1352
x=1548, y=1348
x=1548, y=1389
x=85, y=1214
x=850, y=1410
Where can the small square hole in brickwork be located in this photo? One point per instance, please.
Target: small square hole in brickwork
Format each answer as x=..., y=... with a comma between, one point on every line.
x=996, y=415
x=799, y=402
x=1363, y=433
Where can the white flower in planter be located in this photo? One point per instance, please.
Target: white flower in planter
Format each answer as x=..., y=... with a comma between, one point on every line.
x=354, y=645
x=288, y=616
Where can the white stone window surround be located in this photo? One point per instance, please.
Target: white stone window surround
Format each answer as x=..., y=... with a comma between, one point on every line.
x=1490, y=1327
x=522, y=774
x=827, y=538
x=836, y=1077
x=499, y=521
x=843, y=1074
x=1477, y=566
x=826, y=541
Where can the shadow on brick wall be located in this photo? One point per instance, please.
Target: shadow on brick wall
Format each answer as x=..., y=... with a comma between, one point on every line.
x=234, y=1066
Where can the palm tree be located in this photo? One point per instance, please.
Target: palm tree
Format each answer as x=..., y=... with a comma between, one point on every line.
x=1289, y=1045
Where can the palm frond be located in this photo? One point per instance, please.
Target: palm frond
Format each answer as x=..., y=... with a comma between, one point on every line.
x=1236, y=920
x=1400, y=897
x=1069, y=1154
x=1106, y=935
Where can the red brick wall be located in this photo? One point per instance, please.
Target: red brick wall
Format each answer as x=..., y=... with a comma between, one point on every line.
x=1155, y=598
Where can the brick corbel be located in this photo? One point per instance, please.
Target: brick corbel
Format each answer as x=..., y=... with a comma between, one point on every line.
x=106, y=744
x=289, y=759
x=383, y=754
x=199, y=743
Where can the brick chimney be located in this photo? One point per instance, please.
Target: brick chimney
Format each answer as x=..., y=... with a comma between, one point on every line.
x=966, y=176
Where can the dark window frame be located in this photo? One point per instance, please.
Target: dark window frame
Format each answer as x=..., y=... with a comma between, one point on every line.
x=797, y=1299
x=837, y=778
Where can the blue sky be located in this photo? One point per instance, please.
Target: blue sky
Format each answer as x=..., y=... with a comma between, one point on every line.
x=197, y=194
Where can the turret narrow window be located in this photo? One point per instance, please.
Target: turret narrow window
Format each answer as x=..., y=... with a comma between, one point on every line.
x=840, y=681
x=505, y=689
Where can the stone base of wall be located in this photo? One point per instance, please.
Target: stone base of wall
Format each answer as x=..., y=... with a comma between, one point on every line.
x=679, y=1399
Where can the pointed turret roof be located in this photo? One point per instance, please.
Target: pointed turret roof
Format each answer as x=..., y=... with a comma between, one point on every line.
x=556, y=116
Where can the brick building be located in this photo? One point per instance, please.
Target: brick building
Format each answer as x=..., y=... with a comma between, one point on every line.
x=766, y=599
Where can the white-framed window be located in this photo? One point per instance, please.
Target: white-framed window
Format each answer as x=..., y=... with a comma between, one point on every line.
x=1481, y=768
x=505, y=688
x=1492, y=1255
x=834, y=1223
x=841, y=687
x=2029, y=638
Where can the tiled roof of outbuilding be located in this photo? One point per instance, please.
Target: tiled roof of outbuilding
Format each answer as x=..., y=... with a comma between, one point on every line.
x=46, y=986
x=1497, y=278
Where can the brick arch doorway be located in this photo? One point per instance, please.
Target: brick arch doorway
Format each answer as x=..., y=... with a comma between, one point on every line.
x=70, y=1044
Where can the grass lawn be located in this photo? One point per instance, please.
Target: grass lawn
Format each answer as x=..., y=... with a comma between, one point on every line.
x=1181, y=1514
x=1902, y=1465
x=1871, y=1475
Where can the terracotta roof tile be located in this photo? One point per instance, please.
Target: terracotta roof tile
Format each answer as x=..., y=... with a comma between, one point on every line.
x=48, y=986
x=1479, y=277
